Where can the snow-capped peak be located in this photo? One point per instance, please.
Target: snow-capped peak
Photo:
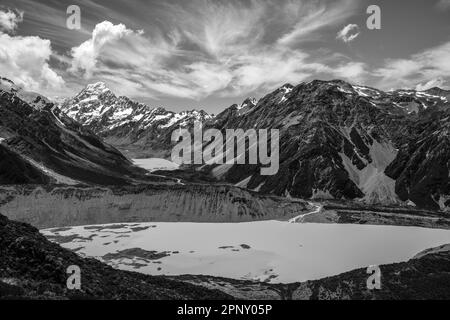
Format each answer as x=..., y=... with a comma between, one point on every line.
x=249, y=102
x=287, y=88
x=93, y=89
x=98, y=86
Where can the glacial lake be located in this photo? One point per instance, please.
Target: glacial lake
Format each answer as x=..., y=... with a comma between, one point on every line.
x=274, y=251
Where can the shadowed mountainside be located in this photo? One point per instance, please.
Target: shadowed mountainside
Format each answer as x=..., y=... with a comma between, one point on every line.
x=41, y=144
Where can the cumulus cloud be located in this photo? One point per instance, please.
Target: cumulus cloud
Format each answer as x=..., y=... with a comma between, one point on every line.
x=9, y=20
x=85, y=56
x=207, y=47
x=25, y=61
x=349, y=33
x=422, y=67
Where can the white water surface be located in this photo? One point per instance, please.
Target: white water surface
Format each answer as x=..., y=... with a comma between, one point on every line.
x=275, y=251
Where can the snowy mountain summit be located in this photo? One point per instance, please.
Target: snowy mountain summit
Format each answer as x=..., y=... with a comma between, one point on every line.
x=122, y=121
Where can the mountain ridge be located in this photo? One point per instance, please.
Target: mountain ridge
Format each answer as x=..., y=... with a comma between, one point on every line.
x=338, y=140
x=40, y=137
x=124, y=122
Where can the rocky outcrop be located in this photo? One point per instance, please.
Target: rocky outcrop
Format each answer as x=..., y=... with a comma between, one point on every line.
x=421, y=169
x=47, y=206
x=31, y=267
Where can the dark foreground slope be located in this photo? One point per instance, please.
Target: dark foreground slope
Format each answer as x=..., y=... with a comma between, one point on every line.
x=33, y=267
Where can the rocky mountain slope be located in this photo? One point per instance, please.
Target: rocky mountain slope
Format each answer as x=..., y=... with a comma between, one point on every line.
x=343, y=141
x=133, y=127
x=337, y=140
x=40, y=144
x=421, y=169
x=31, y=267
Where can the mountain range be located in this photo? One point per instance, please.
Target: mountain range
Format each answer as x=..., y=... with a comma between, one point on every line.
x=40, y=144
x=135, y=128
x=337, y=140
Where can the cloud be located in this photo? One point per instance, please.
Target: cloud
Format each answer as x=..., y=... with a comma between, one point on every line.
x=349, y=33
x=206, y=48
x=104, y=34
x=218, y=28
x=430, y=84
x=424, y=66
x=313, y=16
x=443, y=4
x=25, y=60
x=9, y=20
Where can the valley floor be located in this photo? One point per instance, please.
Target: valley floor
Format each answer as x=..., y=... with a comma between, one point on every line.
x=328, y=239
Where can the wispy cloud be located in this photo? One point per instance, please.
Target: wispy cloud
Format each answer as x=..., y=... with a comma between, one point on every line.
x=349, y=33
x=26, y=59
x=9, y=20
x=425, y=66
x=209, y=47
x=430, y=84
x=313, y=16
x=199, y=49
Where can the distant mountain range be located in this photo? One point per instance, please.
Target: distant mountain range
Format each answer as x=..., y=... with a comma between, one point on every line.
x=338, y=140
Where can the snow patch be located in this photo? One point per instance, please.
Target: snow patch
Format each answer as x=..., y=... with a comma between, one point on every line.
x=244, y=183
x=155, y=164
x=321, y=194
x=371, y=180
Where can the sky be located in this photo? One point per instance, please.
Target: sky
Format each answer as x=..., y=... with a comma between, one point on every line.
x=209, y=54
